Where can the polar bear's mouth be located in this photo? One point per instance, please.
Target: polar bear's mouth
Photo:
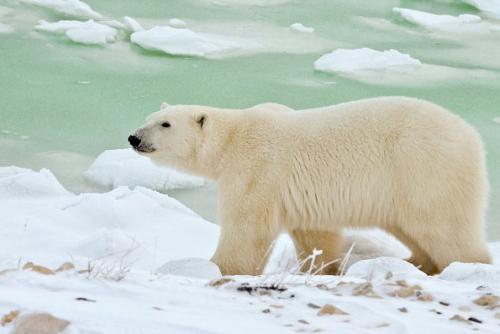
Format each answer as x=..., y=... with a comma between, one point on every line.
x=144, y=149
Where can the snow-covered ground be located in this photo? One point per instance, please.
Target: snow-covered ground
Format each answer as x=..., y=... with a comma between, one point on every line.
x=136, y=261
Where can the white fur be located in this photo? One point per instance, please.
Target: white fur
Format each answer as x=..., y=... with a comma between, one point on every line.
x=401, y=164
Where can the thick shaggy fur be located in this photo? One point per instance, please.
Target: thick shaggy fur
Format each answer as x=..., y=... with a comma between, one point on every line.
x=401, y=164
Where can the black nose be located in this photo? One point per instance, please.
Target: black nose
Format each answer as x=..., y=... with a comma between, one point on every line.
x=134, y=141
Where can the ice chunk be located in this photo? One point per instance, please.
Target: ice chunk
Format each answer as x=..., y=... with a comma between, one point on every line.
x=88, y=32
x=21, y=182
x=131, y=24
x=434, y=21
x=490, y=7
x=475, y=273
x=5, y=28
x=74, y=8
x=191, y=267
x=124, y=167
x=353, y=60
x=299, y=27
x=177, y=23
x=377, y=269
x=183, y=42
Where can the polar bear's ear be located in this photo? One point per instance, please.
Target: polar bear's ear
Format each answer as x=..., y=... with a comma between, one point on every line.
x=163, y=105
x=201, y=118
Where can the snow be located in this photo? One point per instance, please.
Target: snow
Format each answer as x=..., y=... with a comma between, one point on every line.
x=73, y=8
x=88, y=32
x=124, y=167
x=299, y=27
x=177, y=23
x=191, y=267
x=131, y=24
x=490, y=7
x=434, y=21
x=183, y=42
x=139, y=263
x=353, y=60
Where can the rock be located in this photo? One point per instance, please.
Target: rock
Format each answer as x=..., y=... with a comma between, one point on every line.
x=39, y=323
x=329, y=309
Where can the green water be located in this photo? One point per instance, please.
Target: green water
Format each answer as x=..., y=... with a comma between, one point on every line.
x=61, y=104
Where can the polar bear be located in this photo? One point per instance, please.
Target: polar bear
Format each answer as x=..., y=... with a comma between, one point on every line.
x=401, y=164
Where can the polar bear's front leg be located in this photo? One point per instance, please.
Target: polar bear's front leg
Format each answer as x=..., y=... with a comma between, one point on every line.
x=247, y=233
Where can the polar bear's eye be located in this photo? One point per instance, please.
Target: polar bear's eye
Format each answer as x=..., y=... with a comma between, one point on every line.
x=165, y=124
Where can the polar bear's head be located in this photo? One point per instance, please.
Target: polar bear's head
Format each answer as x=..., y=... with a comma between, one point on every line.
x=172, y=136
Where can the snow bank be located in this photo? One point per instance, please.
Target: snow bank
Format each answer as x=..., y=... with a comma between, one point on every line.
x=177, y=23
x=88, y=32
x=18, y=182
x=124, y=167
x=138, y=227
x=131, y=24
x=434, y=21
x=490, y=7
x=146, y=255
x=183, y=42
x=353, y=60
x=474, y=273
x=191, y=267
x=299, y=27
x=74, y=8
x=379, y=268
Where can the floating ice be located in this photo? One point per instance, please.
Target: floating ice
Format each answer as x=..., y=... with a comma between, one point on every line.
x=124, y=167
x=88, y=32
x=490, y=7
x=435, y=21
x=131, y=24
x=299, y=27
x=75, y=8
x=183, y=42
x=353, y=60
x=177, y=23
x=5, y=28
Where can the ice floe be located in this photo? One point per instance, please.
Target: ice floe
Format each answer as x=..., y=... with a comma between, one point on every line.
x=364, y=59
x=177, y=23
x=299, y=27
x=183, y=42
x=124, y=167
x=435, y=21
x=490, y=7
x=5, y=28
x=89, y=32
x=73, y=8
x=132, y=25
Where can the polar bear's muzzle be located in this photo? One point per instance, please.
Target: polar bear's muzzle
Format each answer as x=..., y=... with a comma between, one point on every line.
x=139, y=145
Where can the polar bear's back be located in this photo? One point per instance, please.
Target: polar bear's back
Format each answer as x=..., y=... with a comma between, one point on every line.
x=385, y=153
